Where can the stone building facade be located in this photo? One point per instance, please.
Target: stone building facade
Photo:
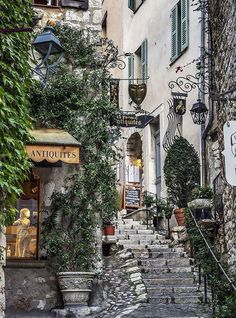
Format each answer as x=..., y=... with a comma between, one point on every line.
x=222, y=22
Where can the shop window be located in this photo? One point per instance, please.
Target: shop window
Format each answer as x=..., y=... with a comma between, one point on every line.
x=22, y=235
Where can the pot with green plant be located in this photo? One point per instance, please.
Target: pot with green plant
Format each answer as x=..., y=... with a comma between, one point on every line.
x=182, y=175
x=68, y=239
x=202, y=202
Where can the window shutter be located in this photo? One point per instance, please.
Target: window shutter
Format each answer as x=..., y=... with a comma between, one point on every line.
x=184, y=24
x=144, y=60
x=79, y=4
x=130, y=72
x=174, y=33
x=131, y=4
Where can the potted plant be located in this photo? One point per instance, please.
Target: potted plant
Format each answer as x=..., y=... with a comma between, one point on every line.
x=202, y=202
x=182, y=175
x=68, y=239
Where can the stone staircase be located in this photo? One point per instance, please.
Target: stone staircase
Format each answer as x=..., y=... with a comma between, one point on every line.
x=167, y=274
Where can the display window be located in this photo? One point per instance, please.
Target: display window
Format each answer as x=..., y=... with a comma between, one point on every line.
x=22, y=235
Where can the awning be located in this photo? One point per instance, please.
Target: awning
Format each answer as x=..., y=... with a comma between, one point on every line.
x=53, y=145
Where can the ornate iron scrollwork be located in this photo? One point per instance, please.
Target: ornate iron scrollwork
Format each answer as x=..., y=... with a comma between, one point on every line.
x=113, y=59
x=188, y=83
x=173, y=130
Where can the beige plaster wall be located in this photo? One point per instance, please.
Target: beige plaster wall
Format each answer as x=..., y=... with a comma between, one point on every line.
x=153, y=21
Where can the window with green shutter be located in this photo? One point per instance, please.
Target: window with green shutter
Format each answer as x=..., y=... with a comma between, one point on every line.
x=130, y=72
x=179, y=28
x=144, y=60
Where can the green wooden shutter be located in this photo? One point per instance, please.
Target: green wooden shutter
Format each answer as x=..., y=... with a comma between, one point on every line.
x=184, y=24
x=130, y=72
x=144, y=60
x=174, y=33
x=131, y=4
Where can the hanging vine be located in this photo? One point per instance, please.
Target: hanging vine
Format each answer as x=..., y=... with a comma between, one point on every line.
x=76, y=99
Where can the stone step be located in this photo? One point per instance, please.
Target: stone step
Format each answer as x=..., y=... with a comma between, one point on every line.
x=180, y=281
x=160, y=254
x=151, y=273
x=170, y=290
x=160, y=262
x=135, y=242
x=165, y=270
x=186, y=299
x=170, y=311
x=141, y=237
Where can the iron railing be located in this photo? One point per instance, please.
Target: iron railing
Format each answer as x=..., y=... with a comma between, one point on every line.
x=207, y=277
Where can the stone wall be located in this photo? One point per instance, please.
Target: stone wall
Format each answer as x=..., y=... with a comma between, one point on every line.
x=78, y=18
x=28, y=288
x=223, y=22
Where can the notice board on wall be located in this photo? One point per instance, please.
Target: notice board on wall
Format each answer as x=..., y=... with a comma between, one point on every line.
x=132, y=197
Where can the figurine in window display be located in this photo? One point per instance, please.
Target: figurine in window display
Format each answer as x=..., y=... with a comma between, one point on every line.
x=22, y=239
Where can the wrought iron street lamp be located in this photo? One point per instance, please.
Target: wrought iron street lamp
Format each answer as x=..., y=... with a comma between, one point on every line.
x=199, y=112
x=47, y=45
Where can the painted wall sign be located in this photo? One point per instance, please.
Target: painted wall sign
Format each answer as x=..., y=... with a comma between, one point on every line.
x=132, y=197
x=230, y=152
x=179, y=105
x=53, y=154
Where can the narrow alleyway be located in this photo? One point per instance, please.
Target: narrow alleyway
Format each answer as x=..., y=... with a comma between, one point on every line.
x=148, y=278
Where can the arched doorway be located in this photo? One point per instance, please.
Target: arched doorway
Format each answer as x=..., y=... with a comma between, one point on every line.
x=134, y=158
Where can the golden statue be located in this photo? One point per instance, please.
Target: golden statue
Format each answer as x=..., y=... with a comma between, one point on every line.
x=22, y=239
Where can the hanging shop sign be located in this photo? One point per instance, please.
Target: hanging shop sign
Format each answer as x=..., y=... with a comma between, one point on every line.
x=230, y=152
x=53, y=153
x=137, y=92
x=130, y=119
x=132, y=197
x=179, y=105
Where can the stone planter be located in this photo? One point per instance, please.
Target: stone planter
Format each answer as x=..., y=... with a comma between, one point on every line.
x=75, y=287
x=202, y=208
x=200, y=204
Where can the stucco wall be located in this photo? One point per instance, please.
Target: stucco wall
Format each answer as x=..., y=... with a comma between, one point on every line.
x=152, y=21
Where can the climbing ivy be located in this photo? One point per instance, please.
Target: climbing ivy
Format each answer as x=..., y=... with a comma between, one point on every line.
x=14, y=115
x=76, y=99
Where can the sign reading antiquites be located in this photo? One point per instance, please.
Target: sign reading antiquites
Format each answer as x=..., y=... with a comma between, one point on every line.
x=51, y=153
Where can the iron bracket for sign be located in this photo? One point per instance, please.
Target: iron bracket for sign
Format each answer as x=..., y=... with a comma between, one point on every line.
x=188, y=83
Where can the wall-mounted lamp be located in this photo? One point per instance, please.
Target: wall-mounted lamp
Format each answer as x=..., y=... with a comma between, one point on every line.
x=47, y=45
x=199, y=112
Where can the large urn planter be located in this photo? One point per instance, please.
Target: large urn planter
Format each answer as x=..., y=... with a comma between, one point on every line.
x=75, y=287
x=180, y=216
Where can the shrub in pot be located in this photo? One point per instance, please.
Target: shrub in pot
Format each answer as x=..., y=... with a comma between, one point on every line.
x=182, y=174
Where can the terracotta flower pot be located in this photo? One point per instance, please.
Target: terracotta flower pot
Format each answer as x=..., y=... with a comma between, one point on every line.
x=109, y=230
x=180, y=217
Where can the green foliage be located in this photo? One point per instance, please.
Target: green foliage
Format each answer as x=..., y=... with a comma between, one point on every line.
x=203, y=193
x=76, y=99
x=167, y=208
x=15, y=121
x=224, y=301
x=148, y=199
x=182, y=172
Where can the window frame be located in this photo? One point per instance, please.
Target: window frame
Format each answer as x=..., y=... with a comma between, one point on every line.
x=132, y=5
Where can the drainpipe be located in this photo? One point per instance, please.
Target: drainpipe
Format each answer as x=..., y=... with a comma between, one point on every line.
x=205, y=130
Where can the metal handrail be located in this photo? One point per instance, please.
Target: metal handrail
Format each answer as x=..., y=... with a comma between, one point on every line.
x=212, y=253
